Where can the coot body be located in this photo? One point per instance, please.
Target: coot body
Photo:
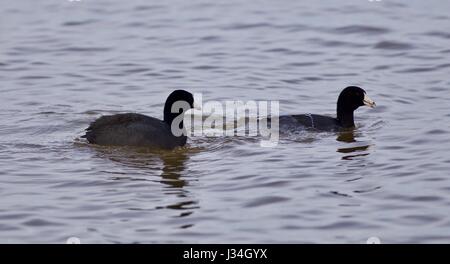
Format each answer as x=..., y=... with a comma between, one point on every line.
x=350, y=99
x=131, y=129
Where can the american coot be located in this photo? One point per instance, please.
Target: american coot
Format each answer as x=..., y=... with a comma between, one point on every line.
x=144, y=131
x=349, y=100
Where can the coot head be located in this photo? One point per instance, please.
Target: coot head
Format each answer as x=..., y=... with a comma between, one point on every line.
x=177, y=103
x=353, y=97
x=349, y=100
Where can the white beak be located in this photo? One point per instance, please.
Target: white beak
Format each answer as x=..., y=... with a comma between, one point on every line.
x=369, y=102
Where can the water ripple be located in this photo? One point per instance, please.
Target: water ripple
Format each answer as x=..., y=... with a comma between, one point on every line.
x=63, y=66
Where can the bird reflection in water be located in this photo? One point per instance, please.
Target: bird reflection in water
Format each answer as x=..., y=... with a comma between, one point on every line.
x=172, y=165
x=355, y=146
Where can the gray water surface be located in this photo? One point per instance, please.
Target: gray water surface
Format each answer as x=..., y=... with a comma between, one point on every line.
x=63, y=64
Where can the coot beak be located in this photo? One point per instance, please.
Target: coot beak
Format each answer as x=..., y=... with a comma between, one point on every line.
x=369, y=102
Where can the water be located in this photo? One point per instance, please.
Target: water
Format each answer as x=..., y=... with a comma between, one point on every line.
x=62, y=64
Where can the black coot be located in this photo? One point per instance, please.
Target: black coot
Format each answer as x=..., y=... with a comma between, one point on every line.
x=349, y=100
x=132, y=129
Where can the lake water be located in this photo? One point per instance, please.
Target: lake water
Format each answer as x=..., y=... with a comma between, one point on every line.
x=63, y=64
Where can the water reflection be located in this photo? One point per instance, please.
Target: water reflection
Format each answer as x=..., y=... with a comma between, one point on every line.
x=145, y=162
x=354, y=145
x=173, y=166
x=347, y=136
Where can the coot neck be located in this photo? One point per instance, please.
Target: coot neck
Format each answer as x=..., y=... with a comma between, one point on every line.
x=345, y=117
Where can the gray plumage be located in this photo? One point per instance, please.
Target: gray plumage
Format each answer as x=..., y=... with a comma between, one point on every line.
x=318, y=122
x=132, y=130
x=143, y=131
x=349, y=100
